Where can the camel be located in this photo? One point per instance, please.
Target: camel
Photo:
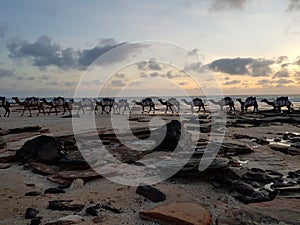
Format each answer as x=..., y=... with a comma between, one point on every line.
x=223, y=102
x=58, y=102
x=105, y=102
x=30, y=102
x=146, y=102
x=195, y=102
x=84, y=102
x=250, y=101
x=280, y=102
x=169, y=103
x=122, y=103
x=6, y=105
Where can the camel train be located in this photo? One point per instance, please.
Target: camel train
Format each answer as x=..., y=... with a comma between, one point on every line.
x=110, y=105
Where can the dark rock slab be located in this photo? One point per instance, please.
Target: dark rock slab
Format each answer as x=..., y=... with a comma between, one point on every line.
x=35, y=221
x=31, y=213
x=65, y=205
x=54, y=191
x=8, y=156
x=151, y=193
x=4, y=165
x=92, y=210
x=111, y=208
x=286, y=149
x=45, y=149
x=33, y=193
x=2, y=143
x=235, y=148
x=243, y=188
x=73, y=161
x=24, y=129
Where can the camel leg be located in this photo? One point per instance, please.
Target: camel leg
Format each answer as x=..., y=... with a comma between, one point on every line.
x=50, y=110
x=24, y=110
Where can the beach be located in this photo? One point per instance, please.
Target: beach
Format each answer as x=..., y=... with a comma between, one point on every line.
x=255, y=179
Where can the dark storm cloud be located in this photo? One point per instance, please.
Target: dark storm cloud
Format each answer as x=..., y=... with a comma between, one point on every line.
x=7, y=73
x=154, y=74
x=281, y=73
x=219, y=5
x=182, y=83
x=52, y=83
x=242, y=66
x=232, y=82
x=44, y=52
x=294, y=5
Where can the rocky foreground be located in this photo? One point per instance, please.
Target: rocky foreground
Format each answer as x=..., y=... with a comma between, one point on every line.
x=253, y=179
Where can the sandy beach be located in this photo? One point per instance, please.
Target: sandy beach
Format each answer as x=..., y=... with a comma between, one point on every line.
x=257, y=156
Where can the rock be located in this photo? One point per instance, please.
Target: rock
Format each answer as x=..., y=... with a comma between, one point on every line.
x=44, y=149
x=173, y=134
x=7, y=156
x=235, y=148
x=2, y=143
x=73, y=161
x=77, y=184
x=109, y=207
x=257, y=176
x=178, y=213
x=4, y=165
x=54, y=191
x=223, y=180
x=33, y=193
x=58, y=180
x=242, y=188
x=151, y=193
x=92, y=210
x=286, y=149
x=42, y=168
x=31, y=213
x=64, y=205
x=35, y=221
x=78, y=174
x=71, y=219
x=24, y=129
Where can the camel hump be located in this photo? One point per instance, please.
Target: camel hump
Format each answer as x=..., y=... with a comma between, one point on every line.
x=227, y=99
x=197, y=100
x=250, y=100
x=145, y=100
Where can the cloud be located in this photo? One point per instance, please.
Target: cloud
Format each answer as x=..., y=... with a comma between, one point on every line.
x=194, y=52
x=44, y=52
x=7, y=73
x=263, y=82
x=281, y=73
x=53, y=83
x=182, y=83
x=154, y=74
x=283, y=81
x=3, y=29
x=219, y=5
x=232, y=82
x=294, y=5
x=148, y=65
x=242, y=66
x=117, y=83
x=70, y=84
x=171, y=76
x=196, y=67
x=281, y=59
x=120, y=75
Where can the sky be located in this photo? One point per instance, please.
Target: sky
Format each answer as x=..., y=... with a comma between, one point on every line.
x=251, y=47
